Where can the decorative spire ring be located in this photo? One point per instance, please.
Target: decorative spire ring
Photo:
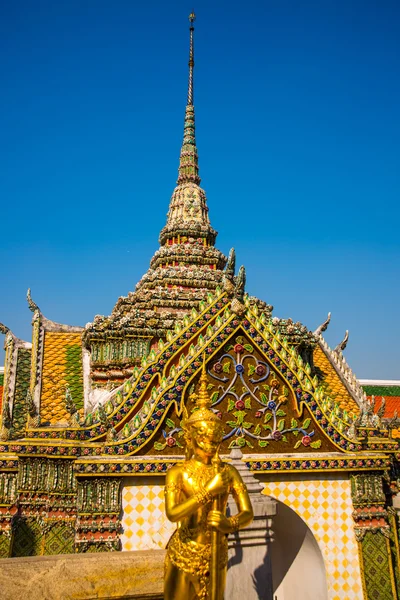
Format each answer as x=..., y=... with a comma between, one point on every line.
x=188, y=164
x=192, y=18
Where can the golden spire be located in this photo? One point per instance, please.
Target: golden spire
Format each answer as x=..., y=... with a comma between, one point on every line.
x=188, y=164
x=188, y=211
x=192, y=18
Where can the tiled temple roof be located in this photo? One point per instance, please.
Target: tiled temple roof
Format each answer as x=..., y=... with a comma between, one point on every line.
x=22, y=381
x=332, y=382
x=381, y=387
x=15, y=384
x=392, y=405
x=62, y=368
x=389, y=390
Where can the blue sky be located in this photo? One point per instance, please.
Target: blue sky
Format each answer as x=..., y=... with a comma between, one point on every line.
x=298, y=129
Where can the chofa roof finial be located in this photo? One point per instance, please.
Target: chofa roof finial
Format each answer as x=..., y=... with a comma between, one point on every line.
x=323, y=326
x=32, y=305
x=4, y=329
x=340, y=347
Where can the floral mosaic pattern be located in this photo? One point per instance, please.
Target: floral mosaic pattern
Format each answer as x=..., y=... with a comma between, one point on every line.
x=259, y=396
x=257, y=406
x=171, y=437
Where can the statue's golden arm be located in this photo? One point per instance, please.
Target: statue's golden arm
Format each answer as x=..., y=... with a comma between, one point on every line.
x=245, y=510
x=243, y=517
x=175, y=509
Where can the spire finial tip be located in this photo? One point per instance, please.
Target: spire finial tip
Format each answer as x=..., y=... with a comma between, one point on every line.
x=192, y=18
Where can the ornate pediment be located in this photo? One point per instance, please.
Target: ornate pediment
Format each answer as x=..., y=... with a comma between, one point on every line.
x=268, y=399
x=255, y=401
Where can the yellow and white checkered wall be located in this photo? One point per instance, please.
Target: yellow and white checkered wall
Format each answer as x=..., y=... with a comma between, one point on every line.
x=325, y=506
x=144, y=524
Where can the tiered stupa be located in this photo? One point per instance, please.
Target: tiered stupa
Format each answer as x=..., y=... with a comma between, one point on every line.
x=185, y=268
x=182, y=273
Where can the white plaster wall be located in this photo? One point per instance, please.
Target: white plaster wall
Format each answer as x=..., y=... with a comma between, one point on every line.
x=298, y=569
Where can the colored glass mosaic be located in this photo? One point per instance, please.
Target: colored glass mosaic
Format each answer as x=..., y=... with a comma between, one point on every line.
x=376, y=565
x=21, y=390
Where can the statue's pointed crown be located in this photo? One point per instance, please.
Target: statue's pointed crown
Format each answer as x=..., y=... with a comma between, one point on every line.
x=202, y=409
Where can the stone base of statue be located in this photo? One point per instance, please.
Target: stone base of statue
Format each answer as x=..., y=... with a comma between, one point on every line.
x=249, y=567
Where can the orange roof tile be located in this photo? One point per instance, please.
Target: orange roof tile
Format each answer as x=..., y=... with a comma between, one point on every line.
x=392, y=404
x=332, y=383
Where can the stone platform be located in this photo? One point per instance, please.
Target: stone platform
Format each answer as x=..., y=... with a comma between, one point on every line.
x=102, y=576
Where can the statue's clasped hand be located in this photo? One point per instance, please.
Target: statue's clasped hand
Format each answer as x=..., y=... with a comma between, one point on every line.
x=218, y=520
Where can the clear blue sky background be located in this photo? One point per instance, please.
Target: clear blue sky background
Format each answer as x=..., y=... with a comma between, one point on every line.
x=298, y=130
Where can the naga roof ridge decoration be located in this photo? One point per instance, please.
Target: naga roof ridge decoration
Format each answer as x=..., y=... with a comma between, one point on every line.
x=181, y=326
x=216, y=325
x=49, y=324
x=343, y=370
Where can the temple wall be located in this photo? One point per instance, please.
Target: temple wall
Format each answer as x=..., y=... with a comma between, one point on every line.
x=144, y=524
x=324, y=504
x=322, y=541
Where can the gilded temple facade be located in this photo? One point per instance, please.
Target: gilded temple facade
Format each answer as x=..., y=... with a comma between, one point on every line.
x=90, y=417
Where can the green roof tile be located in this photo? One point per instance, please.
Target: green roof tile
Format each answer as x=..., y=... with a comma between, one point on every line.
x=382, y=390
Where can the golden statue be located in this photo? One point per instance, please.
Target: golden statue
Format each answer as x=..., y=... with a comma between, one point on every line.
x=196, y=496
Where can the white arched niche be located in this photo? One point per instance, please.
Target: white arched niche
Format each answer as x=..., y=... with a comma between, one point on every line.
x=297, y=564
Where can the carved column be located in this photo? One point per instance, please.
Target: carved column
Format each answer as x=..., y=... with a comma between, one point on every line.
x=249, y=567
x=374, y=536
x=8, y=509
x=45, y=523
x=99, y=506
